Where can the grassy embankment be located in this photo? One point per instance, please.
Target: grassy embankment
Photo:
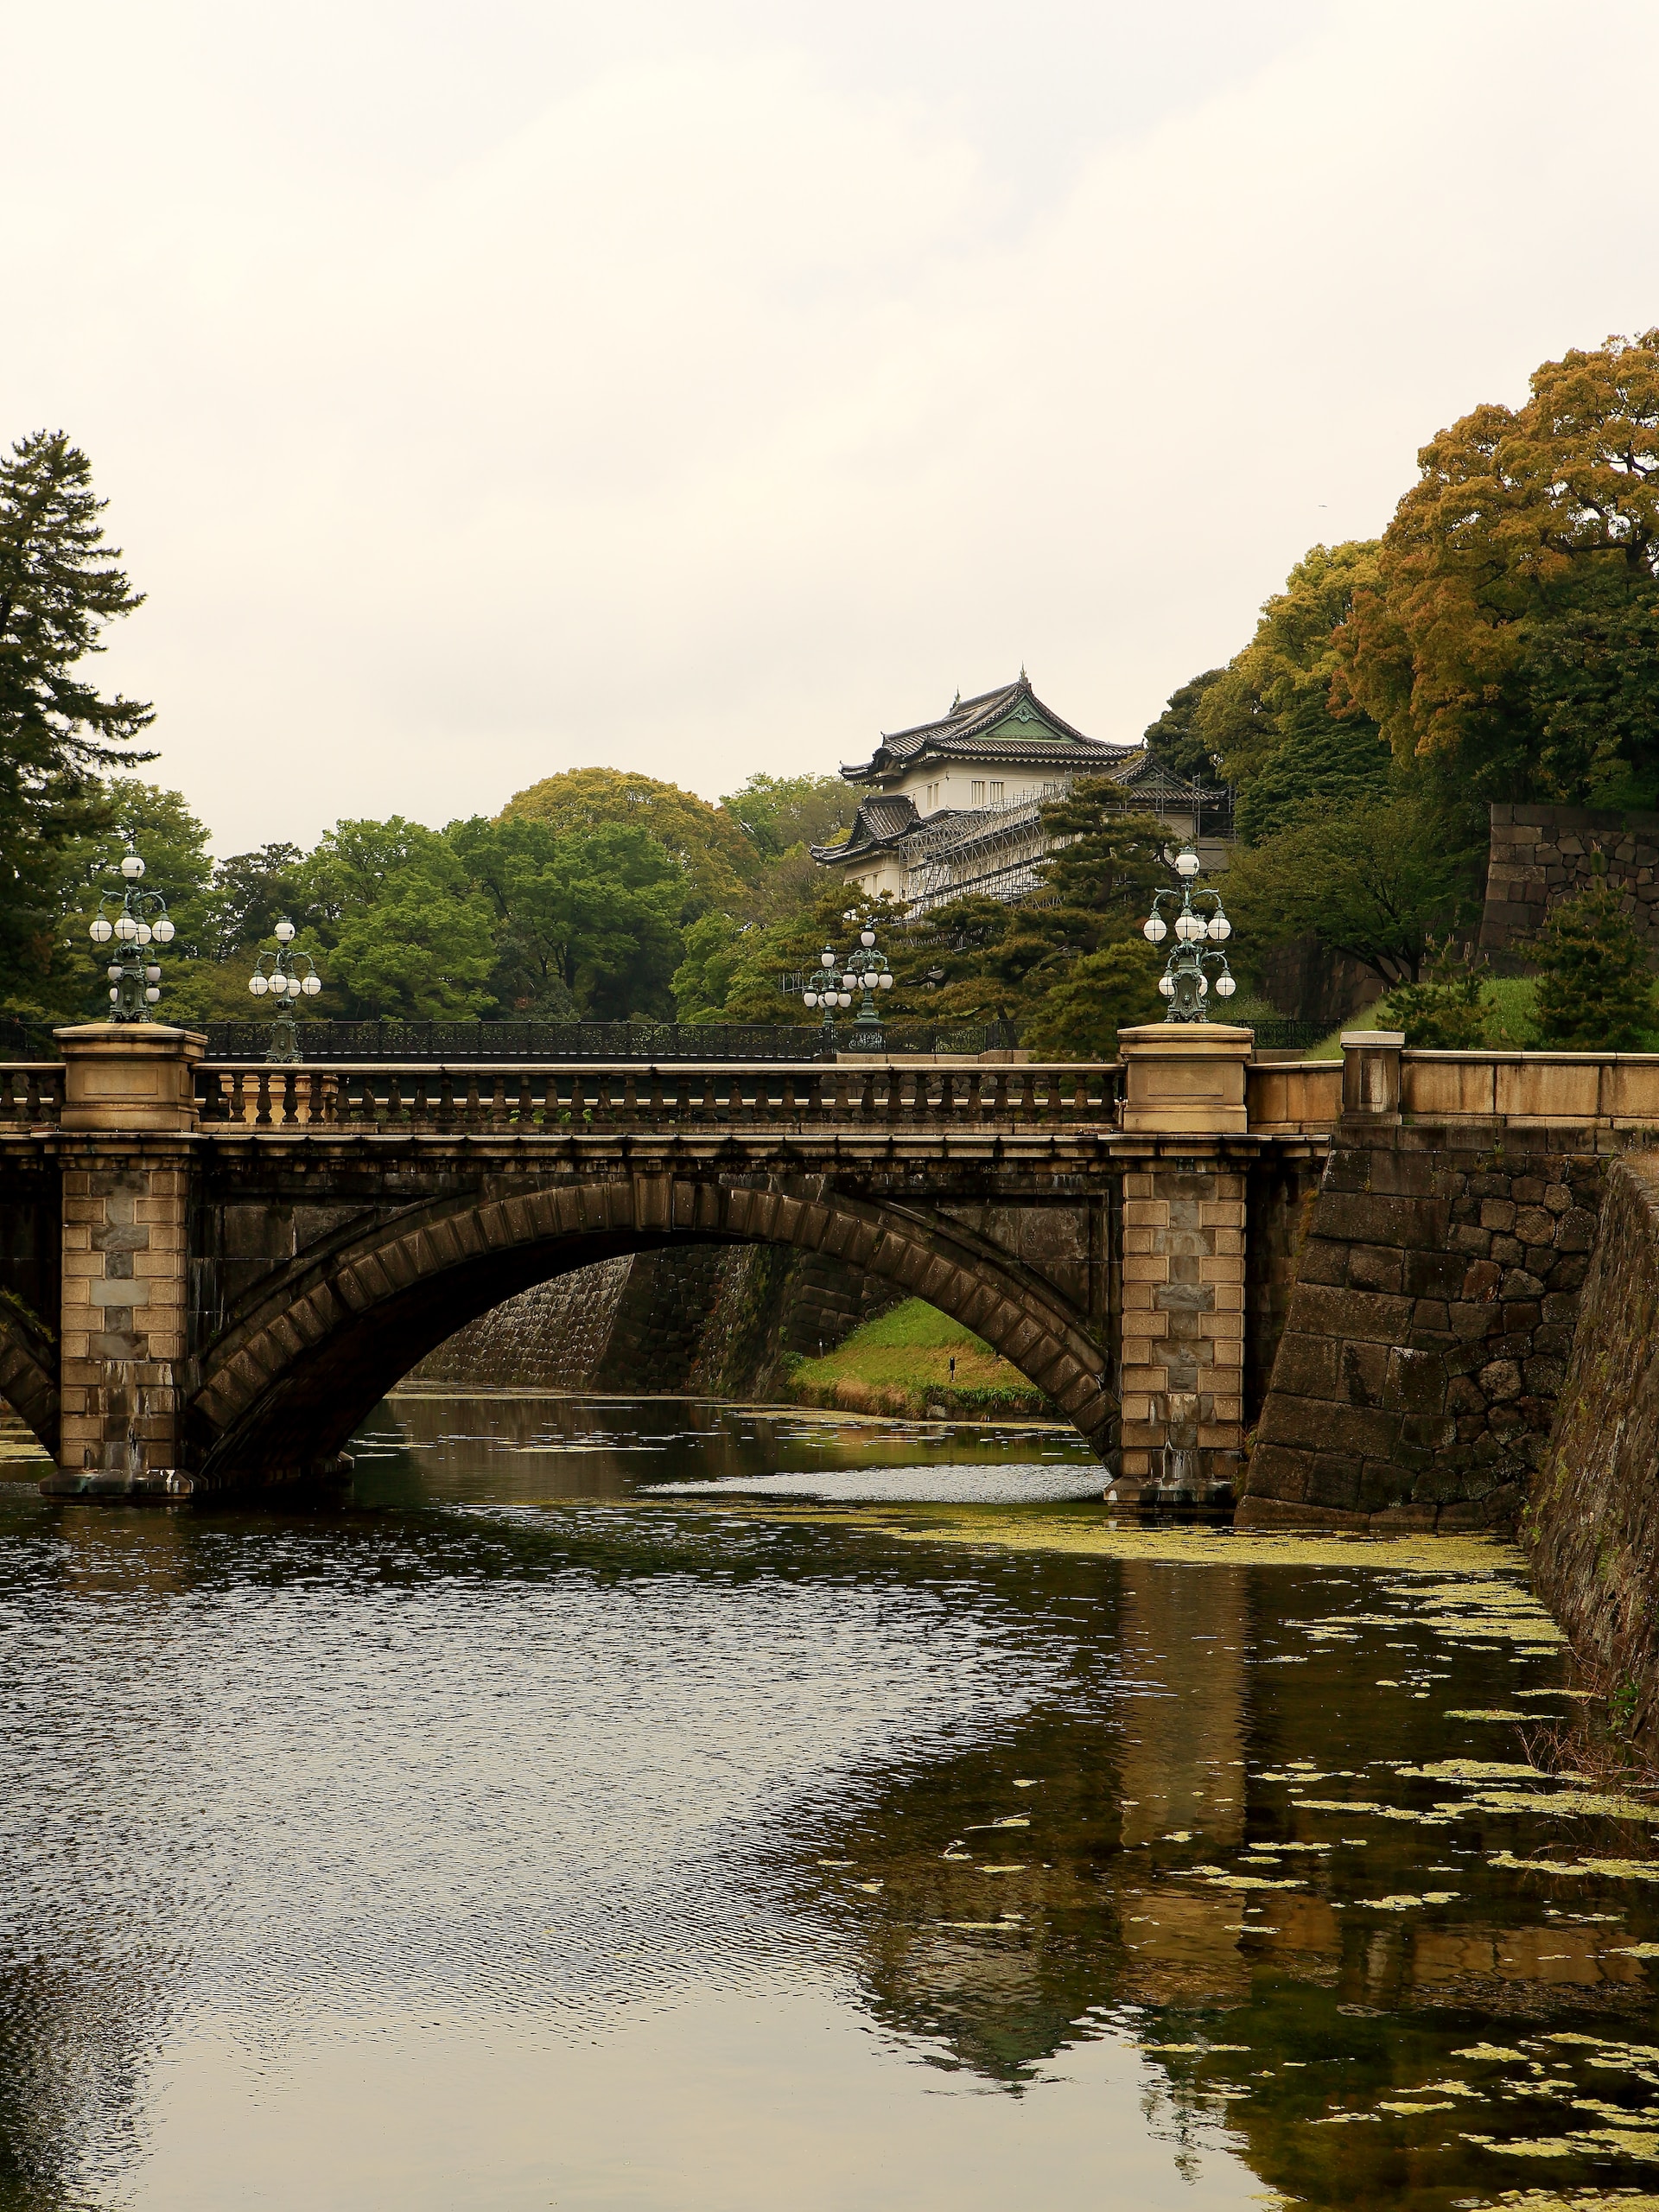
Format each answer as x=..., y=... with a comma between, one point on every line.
x=900, y=1364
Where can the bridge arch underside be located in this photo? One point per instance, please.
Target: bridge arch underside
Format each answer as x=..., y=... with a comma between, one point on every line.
x=28, y=1377
x=292, y=1375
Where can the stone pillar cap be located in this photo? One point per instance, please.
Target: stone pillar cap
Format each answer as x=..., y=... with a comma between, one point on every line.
x=1356, y=1041
x=128, y=1032
x=1186, y=1036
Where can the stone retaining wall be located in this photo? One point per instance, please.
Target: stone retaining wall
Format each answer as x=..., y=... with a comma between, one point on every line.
x=1593, y=1520
x=1430, y=1325
x=715, y=1318
x=1540, y=855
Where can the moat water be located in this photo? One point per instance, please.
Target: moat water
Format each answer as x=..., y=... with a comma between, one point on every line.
x=524, y=1832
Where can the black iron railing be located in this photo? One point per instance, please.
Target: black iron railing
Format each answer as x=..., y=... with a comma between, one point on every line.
x=518, y=1043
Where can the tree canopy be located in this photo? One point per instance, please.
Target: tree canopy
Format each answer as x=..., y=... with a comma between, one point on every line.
x=1505, y=643
x=60, y=584
x=716, y=856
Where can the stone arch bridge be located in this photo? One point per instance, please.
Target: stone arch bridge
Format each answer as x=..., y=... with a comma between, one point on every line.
x=209, y=1273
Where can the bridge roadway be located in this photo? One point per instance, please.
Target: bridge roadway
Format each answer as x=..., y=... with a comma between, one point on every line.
x=209, y=1273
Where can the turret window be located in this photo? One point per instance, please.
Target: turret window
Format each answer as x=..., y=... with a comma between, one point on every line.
x=976, y=792
x=996, y=794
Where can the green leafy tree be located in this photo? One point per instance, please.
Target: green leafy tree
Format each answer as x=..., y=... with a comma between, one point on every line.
x=172, y=841
x=60, y=586
x=777, y=812
x=252, y=892
x=588, y=917
x=702, y=981
x=1269, y=712
x=1595, y=994
x=1373, y=880
x=712, y=849
x=1177, y=741
x=1444, y=1011
x=396, y=924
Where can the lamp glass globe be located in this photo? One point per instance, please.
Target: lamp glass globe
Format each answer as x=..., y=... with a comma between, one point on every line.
x=312, y=985
x=866, y=937
x=1188, y=928
x=885, y=981
x=115, y=997
x=152, y=994
x=1204, y=987
x=126, y=929
x=1225, y=986
x=1187, y=863
x=1166, y=985
x=869, y=979
x=809, y=998
x=133, y=867
x=285, y=933
x=1155, y=929
x=114, y=974
x=100, y=932
x=258, y=986
x=164, y=931
x=142, y=933
x=1220, y=928
x=152, y=975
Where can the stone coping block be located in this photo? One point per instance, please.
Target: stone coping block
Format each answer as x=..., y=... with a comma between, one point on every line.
x=128, y=1076
x=1186, y=1077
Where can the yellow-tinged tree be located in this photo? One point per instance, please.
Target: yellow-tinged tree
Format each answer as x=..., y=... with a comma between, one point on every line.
x=1509, y=644
x=717, y=857
x=1269, y=713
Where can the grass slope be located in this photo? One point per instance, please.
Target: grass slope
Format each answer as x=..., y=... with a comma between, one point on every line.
x=900, y=1363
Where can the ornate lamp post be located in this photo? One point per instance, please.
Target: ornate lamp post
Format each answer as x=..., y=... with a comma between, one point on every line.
x=826, y=991
x=868, y=968
x=141, y=921
x=291, y=975
x=1184, y=983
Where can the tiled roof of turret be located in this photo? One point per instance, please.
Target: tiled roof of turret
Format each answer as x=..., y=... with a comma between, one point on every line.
x=965, y=733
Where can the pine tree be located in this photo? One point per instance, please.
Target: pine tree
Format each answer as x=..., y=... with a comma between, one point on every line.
x=59, y=584
x=1595, y=994
x=1442, y=1010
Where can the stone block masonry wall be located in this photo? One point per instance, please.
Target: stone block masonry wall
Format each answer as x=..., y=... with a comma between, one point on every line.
x=1431, y=1325
x=1542, y=854
x=1593, y=1519
x=551, y=1337
x=1183, y=1372
x=123, y=1311
x=714, y=1318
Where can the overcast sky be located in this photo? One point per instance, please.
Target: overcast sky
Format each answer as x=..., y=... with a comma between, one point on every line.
x=483, y=390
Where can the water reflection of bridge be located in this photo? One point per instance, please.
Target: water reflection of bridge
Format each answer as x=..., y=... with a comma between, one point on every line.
x=1150, y=1765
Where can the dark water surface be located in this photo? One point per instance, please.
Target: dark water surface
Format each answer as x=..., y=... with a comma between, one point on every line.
x=513, y=1838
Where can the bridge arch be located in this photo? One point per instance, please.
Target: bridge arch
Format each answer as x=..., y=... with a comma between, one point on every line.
x=29, y=1375
x=292, y=1375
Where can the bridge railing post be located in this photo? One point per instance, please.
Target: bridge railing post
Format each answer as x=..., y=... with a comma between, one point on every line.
x=130, y=1114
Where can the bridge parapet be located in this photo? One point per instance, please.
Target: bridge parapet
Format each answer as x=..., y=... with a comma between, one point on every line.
x=583, y=1096
x=31, y=1095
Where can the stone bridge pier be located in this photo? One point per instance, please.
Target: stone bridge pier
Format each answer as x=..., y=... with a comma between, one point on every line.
x=210, y=1273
